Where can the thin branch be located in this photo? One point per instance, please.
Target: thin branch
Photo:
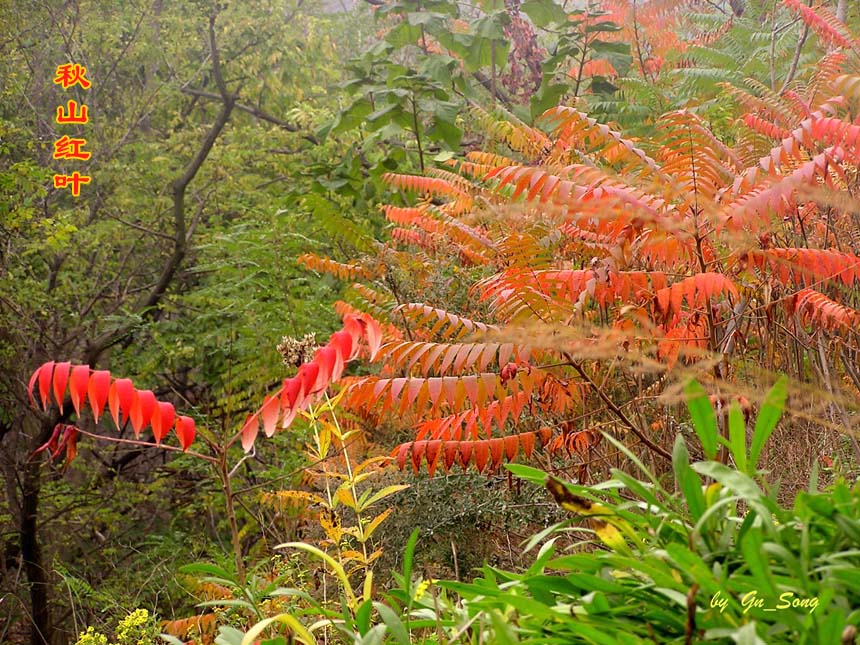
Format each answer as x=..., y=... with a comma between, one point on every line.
x=618, y=412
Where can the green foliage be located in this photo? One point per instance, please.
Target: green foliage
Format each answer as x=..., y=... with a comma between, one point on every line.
x=719, y=558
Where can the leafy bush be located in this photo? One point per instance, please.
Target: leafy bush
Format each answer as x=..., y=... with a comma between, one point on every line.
x=718, y=558
x=138, y=628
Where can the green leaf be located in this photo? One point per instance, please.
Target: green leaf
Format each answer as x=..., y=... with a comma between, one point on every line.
x=299, y=630
x=548, y=96
x=544, y=12
x=532, y=475
x=738, y=436
x=447, y=132
x=702, y=415
x=408, y=557
x=768, y=416
x=503, y=633
x=206, y=569
x=362, y=617
x=395, y=626
x=382, y=494
x=687, y=480
x=167, y=638
x=403, y=34
x=757, y=561
x=228, y=635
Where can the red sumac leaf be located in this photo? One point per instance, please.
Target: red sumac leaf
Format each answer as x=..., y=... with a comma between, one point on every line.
x=162, y=420
x=291, y=393
x=331, y=367
x=71, y=441
x=433, y=451
x=61, y=379
x=33, y=378
x=452, y=451
x=402, y=453
x=418, y=449
x=98, y=390
x=185, y=431
x=141, y=409
x=373, y=335
x=120, y=399
x=249, y=432
x=45, y=374
x=343, y=342
x=78, y=383
x=269, y=413
x=307, y=376
x=52, y=442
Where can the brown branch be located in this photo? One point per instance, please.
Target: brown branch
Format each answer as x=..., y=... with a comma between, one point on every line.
x=800, y=42
x=618, y=412
x=253, y=111
x=178, y=187
x=147, y=444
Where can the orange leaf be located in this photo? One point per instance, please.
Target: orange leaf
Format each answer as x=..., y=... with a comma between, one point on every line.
x=497, y=447
x=466, y=449
x=402, y=453
x=512, y=446
x=527, y=441
x=418, y=449
x=545, y=435
x=482, y=454
x=470, y=386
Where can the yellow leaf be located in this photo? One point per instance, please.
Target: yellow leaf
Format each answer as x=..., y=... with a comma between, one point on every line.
x=331, y=525
x=385, y=492
x=374, y=524
x=368, y=585
x=609, y=528
x=283, y=499
x=344, y=494
x=712, y=493
x=609, y=535
x=571, y=502
x=352, y=554
x=370, y=462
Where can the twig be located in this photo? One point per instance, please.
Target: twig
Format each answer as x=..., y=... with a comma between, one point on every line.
x=616, y=410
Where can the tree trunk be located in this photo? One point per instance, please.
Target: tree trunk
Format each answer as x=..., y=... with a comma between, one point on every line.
x=41, y=629
x=842, y=11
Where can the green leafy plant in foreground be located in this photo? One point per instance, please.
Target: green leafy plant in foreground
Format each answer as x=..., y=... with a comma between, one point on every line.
x=716, y=559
